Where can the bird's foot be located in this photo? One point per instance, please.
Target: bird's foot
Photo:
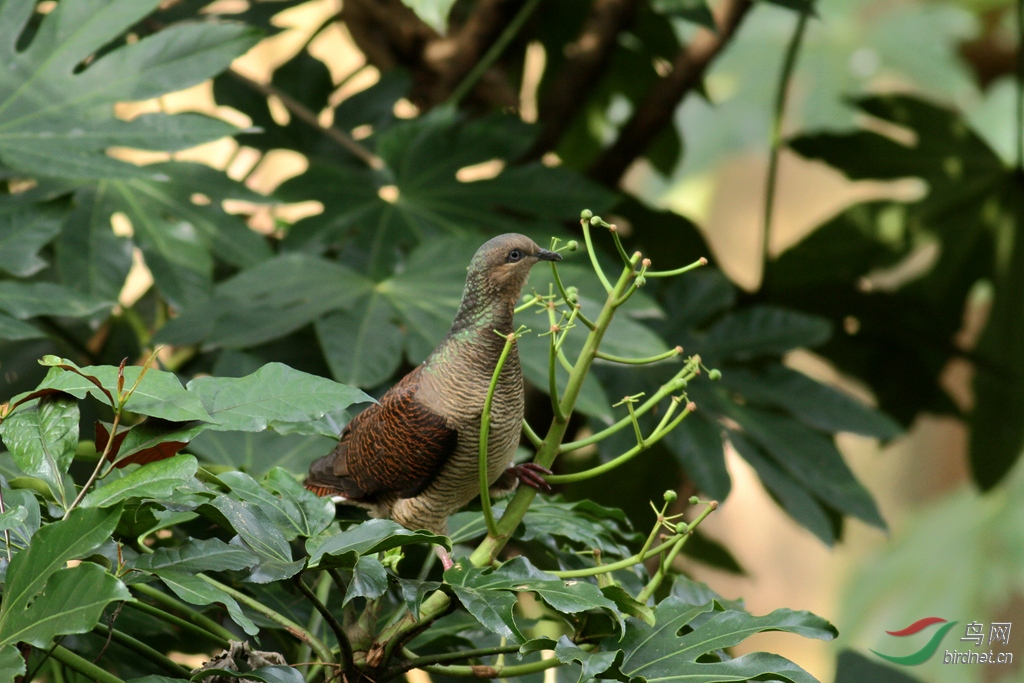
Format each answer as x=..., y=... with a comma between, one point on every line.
x=529, y=473
x=446, y=559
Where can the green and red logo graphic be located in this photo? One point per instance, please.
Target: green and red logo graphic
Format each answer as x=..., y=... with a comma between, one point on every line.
x=929, y=648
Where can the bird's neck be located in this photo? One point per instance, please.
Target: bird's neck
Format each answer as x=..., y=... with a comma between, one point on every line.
x=485, y=309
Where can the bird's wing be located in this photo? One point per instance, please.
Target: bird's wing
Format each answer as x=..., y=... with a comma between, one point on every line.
x=397, y=446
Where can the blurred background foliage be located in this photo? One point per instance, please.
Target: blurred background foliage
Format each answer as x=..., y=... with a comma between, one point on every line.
x=304, y=182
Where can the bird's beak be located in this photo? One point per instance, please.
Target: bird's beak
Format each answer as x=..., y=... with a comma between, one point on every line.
x=545, y=255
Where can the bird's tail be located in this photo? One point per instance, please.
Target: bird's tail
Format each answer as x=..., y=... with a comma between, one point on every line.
x=322, y=480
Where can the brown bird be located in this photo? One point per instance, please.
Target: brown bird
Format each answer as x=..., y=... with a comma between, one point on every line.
x=413, y=457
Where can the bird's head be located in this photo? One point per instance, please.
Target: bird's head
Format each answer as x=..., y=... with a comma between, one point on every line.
x=505, y=261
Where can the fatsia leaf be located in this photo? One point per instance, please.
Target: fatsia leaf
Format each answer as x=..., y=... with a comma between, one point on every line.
x=369, y=580
x=158, y=394
x=39, y=586
x=592, y=663
x=657, y=652
x=29, y=299
x=275, y=394
x=372, y=536
x=362, y=345
x=259, y=452
x=196, y=591
x=42, y=440
x=486, y=593
x=697, y=445
x=22, y=235
x=262, y=536
x=197, y=555
x=761, y=331
x=68, y=136
x=21, y=533
x=12, y=329
x=853, y=667
x=156, y=480
x=294, y=510
x=90, y=257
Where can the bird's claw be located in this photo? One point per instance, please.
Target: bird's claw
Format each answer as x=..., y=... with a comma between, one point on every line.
x=529, y=473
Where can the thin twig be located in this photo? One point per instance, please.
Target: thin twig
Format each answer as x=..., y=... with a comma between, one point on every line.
x=332, y=622
x=309, y=117
x=785, y=76
x=658, y=108
x=492, y=54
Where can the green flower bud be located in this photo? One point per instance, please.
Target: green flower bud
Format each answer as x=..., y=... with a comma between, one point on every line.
x=641, y=281
x=694, y=500
x=670, y=496
x=715, y=375
x=572, y=245
x=682, y=528
x=586, y=214
x=596, y=220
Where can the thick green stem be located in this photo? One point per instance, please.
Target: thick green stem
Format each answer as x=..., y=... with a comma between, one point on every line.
x=685, y=374
x=593, y=258
x=677, y=545
x=556, y=407
x=486, y=671
x=678, y=271
x=321, y=650
x=614, y=566
x=191, y=620
x=485, y=430
x=672, y=353
x=83, y=666
x=416, y=662
x=654, y=438
x=140, y=648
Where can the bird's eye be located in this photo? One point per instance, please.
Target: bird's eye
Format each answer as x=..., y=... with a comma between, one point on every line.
x=514, y=256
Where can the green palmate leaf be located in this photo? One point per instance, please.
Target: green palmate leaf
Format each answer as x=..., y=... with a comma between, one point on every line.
x=156, y=480
x=787, y=491
x=13, y=517
x=42, y=440
x=12, y=329
x=369, y=580
x=267, y=301
x=42, y=598
x=197, y=555
x=696, y=593
x=698, y=447
x=159, y=394
x=294, y=510
x=195, y=591
x=373, y=536
x=592, y=663
x=761, y=331
x=814, y=403
x=627, y=604
x=275, y=394
x=422, y=158
x=811, y=459
x=262, y=536
x=21, y=533
x=659, y=653
x=90, y=257
x=259, y=452
x=361, y=345
x=58, y=120
x=12, y=664
x=488, y=593
x=29, y=299
x=22, y=235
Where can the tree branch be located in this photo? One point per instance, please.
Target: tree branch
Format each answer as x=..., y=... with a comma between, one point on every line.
x=658, y=108
x=586, y=60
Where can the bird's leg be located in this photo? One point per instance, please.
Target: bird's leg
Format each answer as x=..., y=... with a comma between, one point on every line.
x=446, y=559
x=529, y=473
